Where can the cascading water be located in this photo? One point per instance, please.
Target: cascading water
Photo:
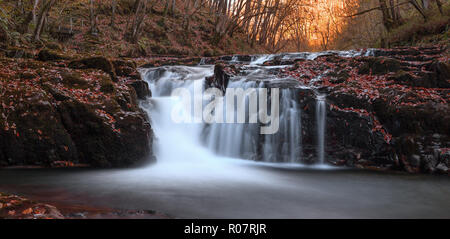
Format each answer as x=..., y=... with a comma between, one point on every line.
x=321, y=123
x=234, y=140
x=286, y=145
x=175, y=142
x=243, y=140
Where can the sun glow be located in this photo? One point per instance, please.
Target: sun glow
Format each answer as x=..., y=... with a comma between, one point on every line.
x=317, y=23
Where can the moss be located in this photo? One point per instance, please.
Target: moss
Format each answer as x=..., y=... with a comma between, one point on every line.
x=74, y=80
x=379, y=66
x=50, y=55
x=106, y=85
x=53, y=46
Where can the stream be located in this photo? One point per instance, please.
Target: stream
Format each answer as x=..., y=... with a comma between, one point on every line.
x=209, y=170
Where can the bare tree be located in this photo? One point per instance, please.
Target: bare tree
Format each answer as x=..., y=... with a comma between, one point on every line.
x=46, y=6
x=113, y=13
x=140, y=9
x=93, y=18
x=35, y=6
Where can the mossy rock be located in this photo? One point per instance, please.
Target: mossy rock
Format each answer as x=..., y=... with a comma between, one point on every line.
x=124, y=63
x=401, y=77
x=49, y=55
x=27, y=75
x=54, y=46
x=379, y=65
x=73, y=79
x=208, y=53
x=98, y=62
x=106, y=86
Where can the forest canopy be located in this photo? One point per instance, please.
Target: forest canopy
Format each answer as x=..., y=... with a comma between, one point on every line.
x=238, y=25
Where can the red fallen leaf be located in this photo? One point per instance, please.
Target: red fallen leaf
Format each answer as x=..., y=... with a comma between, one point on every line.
x=66, y=148
x=27, y=211
x=39, y=131
x=17, y=134
x=39, y=210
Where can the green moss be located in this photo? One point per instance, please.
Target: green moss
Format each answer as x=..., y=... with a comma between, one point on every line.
x=74, y=80
x=106, y=85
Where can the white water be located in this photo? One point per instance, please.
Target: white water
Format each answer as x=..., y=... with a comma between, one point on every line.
x=235, y=140
x=198, y=143
x=182, y=158
x=321, y=121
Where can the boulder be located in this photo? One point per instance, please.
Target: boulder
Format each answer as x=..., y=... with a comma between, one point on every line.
x=442, y=73
x=59, y=119
x=379, y=65
x=50, y=55
x=141, y=88
x=100, y=63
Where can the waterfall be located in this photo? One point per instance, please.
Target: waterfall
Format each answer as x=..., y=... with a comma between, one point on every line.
x=286, y=145
x=242, y=140
x=321, y=121
x=234, y=140
x=178, y=145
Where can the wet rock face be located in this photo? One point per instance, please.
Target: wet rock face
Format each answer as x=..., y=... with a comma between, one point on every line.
x=66, y=117
x=385, y=111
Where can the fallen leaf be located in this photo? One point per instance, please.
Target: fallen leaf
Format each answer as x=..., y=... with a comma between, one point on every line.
x=27, y=211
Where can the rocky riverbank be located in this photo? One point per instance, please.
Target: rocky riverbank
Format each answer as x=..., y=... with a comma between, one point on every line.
x=386, y=108
x=18, y=207
x=63, y=112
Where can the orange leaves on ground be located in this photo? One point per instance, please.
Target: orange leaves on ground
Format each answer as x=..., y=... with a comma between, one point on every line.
x=27, y=211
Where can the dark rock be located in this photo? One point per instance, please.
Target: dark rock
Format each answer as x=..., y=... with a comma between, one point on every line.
x=27, y=75
x=100, y=63
x=73, y=80
x=141, y=88
x=57, y=94
x=107, y=86
x=53, y=46
x=222, y=75
x=52, y=125
x=4, y=38
x=442, y=72
x=379, y=65
x=98, y=145
x=49, y=55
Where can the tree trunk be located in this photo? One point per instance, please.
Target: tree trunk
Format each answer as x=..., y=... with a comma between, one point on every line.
x=140, y=13
x=35, y=5
x=439, y=5
x=387, y=20
x=46, y=6
x=93, y=18
x=419, y=9
x=113, y=13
